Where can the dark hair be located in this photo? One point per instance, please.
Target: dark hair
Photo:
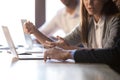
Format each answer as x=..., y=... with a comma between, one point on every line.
x=110, y=8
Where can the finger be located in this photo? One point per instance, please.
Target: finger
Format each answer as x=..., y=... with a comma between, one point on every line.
x=60, y=38
x=26, y=29
x=28, y=22
x=30, y=27
x=30, y=32
x=50, y=44
x=45, y=56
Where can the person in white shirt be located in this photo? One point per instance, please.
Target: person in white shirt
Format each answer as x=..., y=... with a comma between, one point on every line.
x=65, y=19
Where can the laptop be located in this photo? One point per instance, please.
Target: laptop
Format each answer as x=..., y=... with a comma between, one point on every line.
x=20, y=56
x=30, y=46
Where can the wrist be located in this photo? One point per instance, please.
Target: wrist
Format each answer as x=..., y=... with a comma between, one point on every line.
x=66, y=55
x=72, y=52
x=69, y=55
x=35, y=30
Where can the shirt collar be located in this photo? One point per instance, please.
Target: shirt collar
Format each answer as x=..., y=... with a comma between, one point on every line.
x=100, y=22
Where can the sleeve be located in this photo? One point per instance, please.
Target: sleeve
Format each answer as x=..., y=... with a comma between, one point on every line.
x=113, y=33
x=110, y=56
x=73, y=38
x=52, y=26
x=72, y=52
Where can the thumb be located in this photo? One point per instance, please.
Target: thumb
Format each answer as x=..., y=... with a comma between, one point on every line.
x=60, y=38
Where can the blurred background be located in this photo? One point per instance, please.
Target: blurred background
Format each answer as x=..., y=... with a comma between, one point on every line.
x=40, y=12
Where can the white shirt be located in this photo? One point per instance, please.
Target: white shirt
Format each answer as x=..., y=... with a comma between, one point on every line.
x=98, y=32
x=63, y=20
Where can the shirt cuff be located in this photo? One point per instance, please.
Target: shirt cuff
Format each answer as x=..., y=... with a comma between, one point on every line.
x=72, y=52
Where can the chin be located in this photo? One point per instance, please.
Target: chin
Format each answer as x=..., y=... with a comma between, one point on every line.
x=90, y=13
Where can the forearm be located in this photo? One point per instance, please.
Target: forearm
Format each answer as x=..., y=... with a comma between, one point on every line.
x=106, y=56
x=41, y=37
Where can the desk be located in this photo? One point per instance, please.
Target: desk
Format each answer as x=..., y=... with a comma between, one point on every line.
x=52, y=70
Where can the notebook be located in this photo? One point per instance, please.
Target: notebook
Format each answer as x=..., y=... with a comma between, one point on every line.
x=23, y=56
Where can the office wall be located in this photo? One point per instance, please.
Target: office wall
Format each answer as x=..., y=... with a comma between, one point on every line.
x=39, y=12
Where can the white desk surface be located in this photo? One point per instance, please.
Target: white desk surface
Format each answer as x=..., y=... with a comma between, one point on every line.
x=53, y=70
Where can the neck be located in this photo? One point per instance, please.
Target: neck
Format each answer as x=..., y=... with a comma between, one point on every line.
x=97, y=17
x=70, y=10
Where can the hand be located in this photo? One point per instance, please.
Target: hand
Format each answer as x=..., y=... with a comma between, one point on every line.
x=60, y=43
x=57, y=53
x=29, y=28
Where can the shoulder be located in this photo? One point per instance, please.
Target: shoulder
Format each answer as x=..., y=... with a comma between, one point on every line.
x=61, y=11
x=115, y=16
x=58, y=15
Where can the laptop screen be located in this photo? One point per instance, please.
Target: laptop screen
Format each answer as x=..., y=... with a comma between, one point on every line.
x=28, y=39
x=9, y=41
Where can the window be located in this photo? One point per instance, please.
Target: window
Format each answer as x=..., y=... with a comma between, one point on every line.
x=12, y=11
x=51, y=8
